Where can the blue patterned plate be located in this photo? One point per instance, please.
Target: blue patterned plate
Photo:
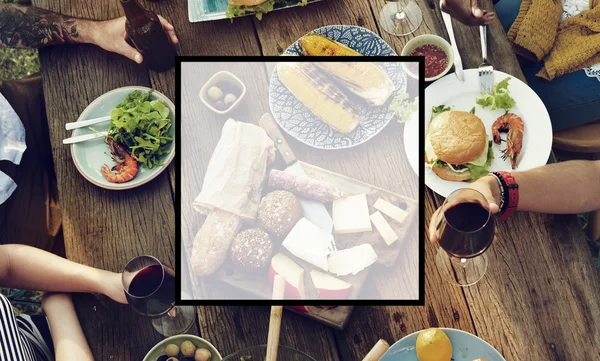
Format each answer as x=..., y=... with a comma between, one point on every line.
x=465, y=347
x=299, y=122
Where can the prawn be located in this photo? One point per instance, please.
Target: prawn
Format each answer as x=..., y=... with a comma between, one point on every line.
x=513, y=124
x=126, y=168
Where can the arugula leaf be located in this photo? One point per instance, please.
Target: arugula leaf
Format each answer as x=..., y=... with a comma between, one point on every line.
x=142, y=126
x=499, y=98
x=472, y=110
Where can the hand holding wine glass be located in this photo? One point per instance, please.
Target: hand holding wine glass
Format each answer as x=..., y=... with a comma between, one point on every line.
x=490, y=190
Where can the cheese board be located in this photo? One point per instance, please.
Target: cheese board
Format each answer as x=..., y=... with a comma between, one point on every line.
x=317, y=281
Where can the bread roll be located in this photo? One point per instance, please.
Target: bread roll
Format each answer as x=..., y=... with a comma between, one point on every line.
x=212, y=242
x=278, y=213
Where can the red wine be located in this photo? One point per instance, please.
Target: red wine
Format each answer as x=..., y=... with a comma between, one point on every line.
x=152, y=291
x=468, y=230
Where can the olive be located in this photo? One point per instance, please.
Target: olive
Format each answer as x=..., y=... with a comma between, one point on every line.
x=188, y=349
x=215, y=93
x=229, y=99
x=162, y=358
x=172, y=350
x=172, y=359
x=202, y=354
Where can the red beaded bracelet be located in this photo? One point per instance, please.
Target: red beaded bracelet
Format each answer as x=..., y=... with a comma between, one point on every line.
x=510, y=191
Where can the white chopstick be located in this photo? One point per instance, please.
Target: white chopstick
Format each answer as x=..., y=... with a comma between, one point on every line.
x=84, y=138
x=86, y=123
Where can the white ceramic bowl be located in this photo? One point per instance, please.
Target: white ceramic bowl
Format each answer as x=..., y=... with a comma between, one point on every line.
x=222, y=76
x=89, y=156
x=199, y=342
x=425, y=40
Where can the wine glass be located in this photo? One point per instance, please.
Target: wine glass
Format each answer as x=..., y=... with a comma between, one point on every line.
x=465, y=231
x=150, y=289
x=400, y=17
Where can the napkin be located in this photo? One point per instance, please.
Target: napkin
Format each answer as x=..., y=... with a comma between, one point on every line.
x=12, y=145
x=236, y=171
x=12, y=133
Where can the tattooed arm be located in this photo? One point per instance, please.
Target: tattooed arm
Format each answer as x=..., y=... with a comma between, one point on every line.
x=30, y=27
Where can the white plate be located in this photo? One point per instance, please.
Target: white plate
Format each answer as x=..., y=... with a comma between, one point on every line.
x=89, y=156
x=537, y=139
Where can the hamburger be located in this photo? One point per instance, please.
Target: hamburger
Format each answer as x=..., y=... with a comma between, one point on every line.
x=258, y=7
x=457, y=147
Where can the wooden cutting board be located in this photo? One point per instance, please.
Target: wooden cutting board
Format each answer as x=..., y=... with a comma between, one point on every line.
x=257, y=284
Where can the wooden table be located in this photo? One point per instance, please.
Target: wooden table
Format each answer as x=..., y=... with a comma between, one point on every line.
x=540, y=300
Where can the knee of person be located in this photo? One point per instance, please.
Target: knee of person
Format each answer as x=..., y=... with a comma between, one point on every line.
x=51, y=300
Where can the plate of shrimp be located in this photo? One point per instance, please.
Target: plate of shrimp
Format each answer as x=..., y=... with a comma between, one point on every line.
x=109, y=163
x=522, y=136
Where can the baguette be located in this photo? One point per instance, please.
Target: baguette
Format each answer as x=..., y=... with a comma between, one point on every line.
x=305, y=187
x=213, y=240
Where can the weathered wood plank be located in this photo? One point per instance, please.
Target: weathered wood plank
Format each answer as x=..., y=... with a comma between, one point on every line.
x=102, y=228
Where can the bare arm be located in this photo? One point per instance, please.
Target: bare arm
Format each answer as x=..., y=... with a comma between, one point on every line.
x=68, y=338
x=26, y=267
x=561, y=188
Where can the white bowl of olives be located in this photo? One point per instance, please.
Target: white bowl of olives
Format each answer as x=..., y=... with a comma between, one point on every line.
x=222, y=92
x=183, y=348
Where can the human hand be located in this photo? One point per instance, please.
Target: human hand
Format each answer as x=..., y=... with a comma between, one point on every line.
x=487, y=186
x=476, y=16
x=110, y=35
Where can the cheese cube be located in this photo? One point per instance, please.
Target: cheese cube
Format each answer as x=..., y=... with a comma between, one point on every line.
x=390, y=210
x=351, y=215
x=384, y=228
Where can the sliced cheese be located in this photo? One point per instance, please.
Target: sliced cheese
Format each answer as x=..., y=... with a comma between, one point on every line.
x=351, y=215
x=310, y=243
x=390, y=210
x=480, y=161
x=352, y=260
x=429, y=152
x=384, y=228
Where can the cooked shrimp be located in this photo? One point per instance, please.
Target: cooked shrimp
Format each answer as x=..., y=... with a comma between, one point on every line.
x=126, y=168
x=513, y=124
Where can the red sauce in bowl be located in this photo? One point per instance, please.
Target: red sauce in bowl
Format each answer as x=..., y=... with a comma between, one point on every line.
x=436, y=59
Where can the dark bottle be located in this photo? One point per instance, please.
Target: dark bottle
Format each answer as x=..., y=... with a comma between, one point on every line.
x=147, y=34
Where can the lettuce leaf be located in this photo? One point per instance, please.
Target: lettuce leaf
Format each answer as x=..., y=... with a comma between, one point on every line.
x=480, y=171
x=435, y=111
x=499, y=98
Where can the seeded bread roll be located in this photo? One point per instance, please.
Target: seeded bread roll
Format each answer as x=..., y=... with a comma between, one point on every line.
x=278, y=213
x=251, y=249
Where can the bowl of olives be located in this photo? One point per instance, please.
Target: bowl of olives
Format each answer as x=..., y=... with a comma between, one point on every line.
x=183, y=348
x=222, y=92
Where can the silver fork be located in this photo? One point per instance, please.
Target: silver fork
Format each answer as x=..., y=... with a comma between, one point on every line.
x=486, y=70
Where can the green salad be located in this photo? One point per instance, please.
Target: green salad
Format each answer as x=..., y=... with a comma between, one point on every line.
x=499, y=98
x=142, y=125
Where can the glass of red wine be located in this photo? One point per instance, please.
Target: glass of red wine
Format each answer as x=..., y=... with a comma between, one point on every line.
x=465, y=230
x=149, y=287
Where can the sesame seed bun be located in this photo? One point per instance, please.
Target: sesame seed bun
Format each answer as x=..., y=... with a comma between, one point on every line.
x=457, y=137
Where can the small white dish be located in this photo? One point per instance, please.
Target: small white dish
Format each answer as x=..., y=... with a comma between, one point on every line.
x=432, y=40
x=222, y=76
